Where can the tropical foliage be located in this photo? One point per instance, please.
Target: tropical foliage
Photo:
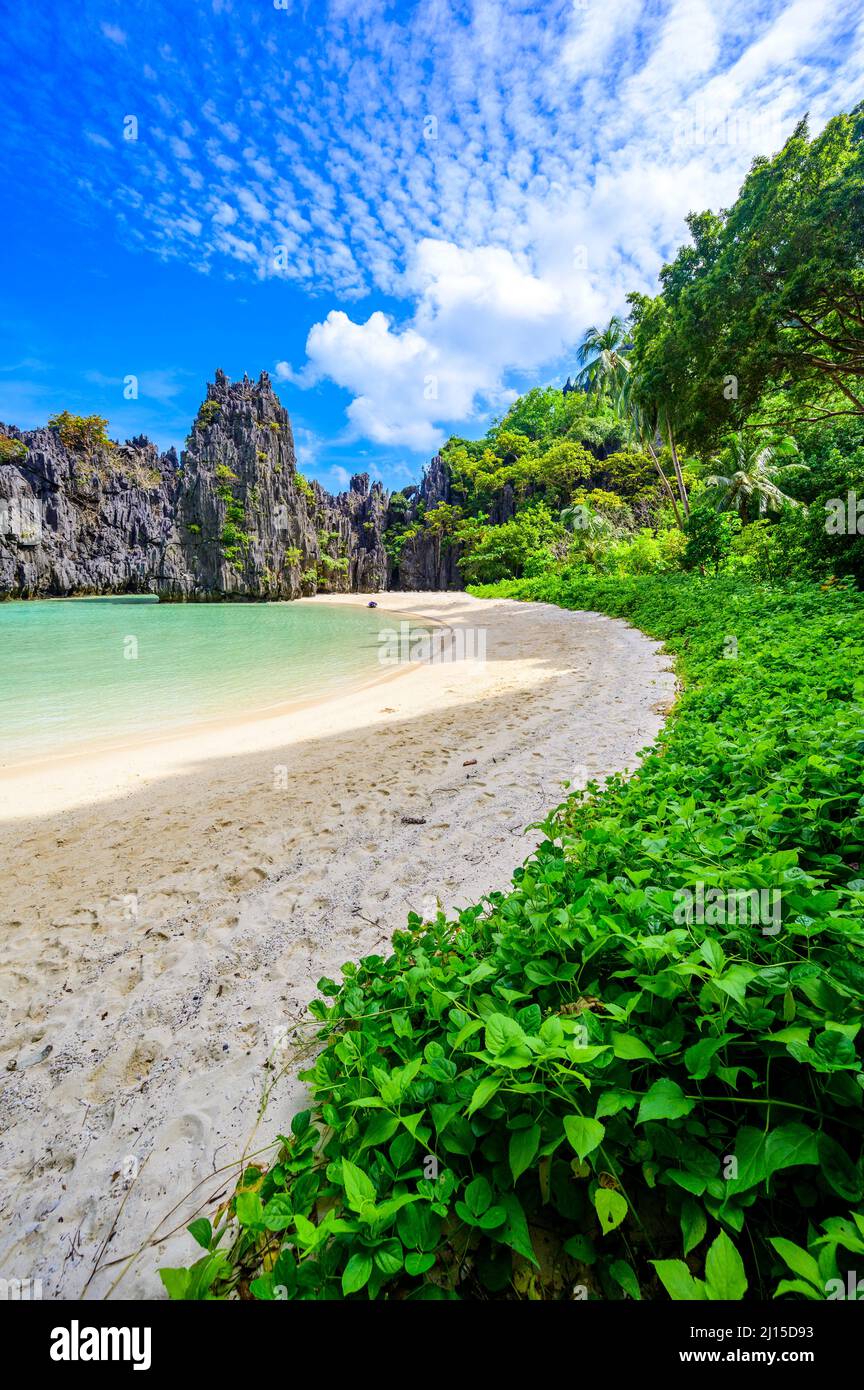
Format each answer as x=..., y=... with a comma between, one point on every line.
x=592, y=1084
x=572, y=1090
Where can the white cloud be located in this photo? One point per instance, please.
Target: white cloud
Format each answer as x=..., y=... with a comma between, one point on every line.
x=479, y=313
x=496, y=176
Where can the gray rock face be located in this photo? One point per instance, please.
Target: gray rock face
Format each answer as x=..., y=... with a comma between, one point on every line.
x=428, y=561
x=232, y=519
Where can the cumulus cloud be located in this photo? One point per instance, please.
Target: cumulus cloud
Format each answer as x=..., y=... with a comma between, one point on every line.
x=479, y=313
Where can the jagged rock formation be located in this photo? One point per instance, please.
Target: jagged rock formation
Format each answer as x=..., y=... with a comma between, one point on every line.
x=232, y=519
x=427, y=561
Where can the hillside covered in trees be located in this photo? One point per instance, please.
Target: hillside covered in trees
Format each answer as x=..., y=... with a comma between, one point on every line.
x=721, y=426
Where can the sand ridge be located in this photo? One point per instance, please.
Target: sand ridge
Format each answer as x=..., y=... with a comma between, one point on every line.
x=167, y=909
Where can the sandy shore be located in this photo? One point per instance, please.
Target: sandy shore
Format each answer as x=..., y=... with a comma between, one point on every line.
x=168, y=908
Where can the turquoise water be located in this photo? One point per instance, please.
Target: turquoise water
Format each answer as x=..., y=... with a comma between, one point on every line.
x=97, y=671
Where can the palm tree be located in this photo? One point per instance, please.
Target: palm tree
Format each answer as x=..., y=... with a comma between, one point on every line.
x=593, y=531
x=581, y=517
x=643, y=432
x=606, y=369
x=748, y=482
x=603, y=357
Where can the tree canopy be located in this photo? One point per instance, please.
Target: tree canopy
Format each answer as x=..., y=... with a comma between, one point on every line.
x=761, y=320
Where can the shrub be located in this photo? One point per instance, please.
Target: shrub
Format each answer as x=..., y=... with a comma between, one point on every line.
x=11, y=449
x=648, y=553
x=528, y=544
x=661, y=1104
x=710, y=535
x=82, y=434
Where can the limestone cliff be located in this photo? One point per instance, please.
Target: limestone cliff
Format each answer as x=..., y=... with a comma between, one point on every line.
x=232, y=518
x=427, y=560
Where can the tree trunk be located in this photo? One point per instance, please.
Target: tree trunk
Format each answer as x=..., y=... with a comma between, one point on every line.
x=685, y=500
x=666, y=484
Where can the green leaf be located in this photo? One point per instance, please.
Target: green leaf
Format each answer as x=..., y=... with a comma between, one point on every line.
x=581, y=1248
x=249, y=1210
x=524, y=1144
x=388, y=1257
x=355, y=1275
x=506, y=1042
x=202, y=1231
x=838, y=1170
x=516, y=1233
x=611, y=1208
x=279, y=1212
x=483, y=1093
x=419, y=1262
x=359, y=1189
x=262, y=1287
x=380, y=1128
x=698, y=1058
x=300, y=1122
x=664, y=1101
x=624, y=1275
x=176, y=1282
x=630, y=1048
x=478, y=1195
x=583, y=1133
x=835, y=1051
x=678, y=1281
x=797, y=1259
x=611, y=1102
x=724, y=1270
x=694, y=1224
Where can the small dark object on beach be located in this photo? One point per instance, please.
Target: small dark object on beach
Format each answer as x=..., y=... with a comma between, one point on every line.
x=472, y=762
x=413, y=820
x=372, y=604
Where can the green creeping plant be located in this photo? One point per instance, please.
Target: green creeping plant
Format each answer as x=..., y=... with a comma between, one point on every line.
x=619, y=1078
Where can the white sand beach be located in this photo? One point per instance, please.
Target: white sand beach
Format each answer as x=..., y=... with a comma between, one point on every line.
x=167, y=909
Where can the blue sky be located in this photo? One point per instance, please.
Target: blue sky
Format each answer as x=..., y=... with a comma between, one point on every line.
x=407, y=213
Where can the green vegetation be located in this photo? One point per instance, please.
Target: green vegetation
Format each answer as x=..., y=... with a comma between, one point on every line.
x=11, y=449
x=655, y=1104
x=82, y=434
x=760, y=319
x=235, y=543
x=234, y=539
x=208, y=413
x=734, y=390
x=528, y=544
x=638, y=1072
